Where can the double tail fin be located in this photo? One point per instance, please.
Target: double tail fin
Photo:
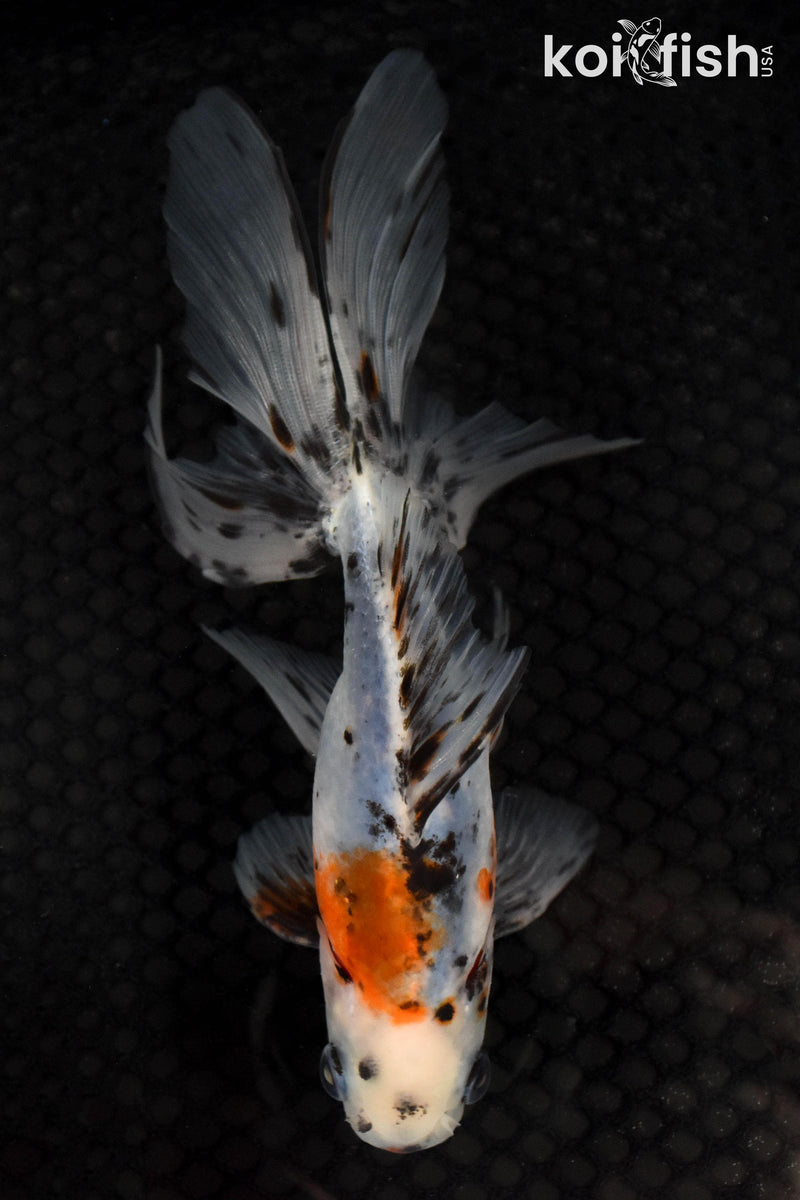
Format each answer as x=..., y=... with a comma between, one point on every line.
x=318, y=378
x=311, y=391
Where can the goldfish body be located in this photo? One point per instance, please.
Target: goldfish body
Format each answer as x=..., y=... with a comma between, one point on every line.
x=405, y=872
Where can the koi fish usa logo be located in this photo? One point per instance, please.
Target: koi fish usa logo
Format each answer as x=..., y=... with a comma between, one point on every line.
x=652, y=58
x=644, y=45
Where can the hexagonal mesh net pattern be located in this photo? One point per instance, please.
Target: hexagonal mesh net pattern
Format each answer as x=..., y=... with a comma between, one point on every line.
x=622, y=259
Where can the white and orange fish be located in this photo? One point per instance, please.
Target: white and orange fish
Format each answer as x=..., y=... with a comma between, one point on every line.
x=403, y=875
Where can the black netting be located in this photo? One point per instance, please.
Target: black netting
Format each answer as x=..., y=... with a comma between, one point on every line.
x=622, y=259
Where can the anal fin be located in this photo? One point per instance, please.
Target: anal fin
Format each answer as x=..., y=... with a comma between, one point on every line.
x=274, y=868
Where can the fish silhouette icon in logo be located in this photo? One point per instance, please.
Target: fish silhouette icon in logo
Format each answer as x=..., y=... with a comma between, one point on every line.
x=643, y=45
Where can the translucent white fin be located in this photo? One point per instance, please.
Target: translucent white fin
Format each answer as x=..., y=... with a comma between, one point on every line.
x=255, y=327
x=541, y=843
x=247, y=517
x=298, y=682
x=384, y=227
x=477, y=456
x=274, y=868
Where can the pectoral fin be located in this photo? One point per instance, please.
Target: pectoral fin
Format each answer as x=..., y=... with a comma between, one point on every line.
x=541, y=843
x=274, y=868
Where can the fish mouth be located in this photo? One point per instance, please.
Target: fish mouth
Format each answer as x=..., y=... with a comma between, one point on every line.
x=444, y=1128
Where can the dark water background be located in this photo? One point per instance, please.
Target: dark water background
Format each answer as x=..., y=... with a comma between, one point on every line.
x=622, y=259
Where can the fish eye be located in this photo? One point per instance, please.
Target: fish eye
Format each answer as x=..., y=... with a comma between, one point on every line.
x=479, y=1079
x=331, y=1073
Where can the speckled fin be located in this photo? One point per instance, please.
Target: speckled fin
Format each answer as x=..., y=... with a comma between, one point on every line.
x=246, y=517
x=485, y=452
x=383, y=230
x=541, y=843
x=255, y=326
x=298, y=682
x=456, y=685
x=274, y=868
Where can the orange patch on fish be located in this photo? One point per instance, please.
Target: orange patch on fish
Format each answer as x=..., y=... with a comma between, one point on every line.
x=486, y=884
x=382, y=935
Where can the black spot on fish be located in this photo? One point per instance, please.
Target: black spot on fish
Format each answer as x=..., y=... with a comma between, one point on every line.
x=473, y=704
x=230, y=530
x=428, y=800
x=363, y=1125
x=422, y=939
x=348, y=736
x=357, y=458
x=429, y=874
x=471, y=752
x=429, y=468
x=229, y=576
x=445, y=848
x=408, y=1108
x=445, y=1012
x=313, y=444
x=461, y=961
x=314, y=561
x=276, y=306
x=373, y=424
x=368, y=1068
x=340, y=413
x=352, y=562
x=423, y=754
x=384, y=818
x=406, y=684
x=342, y=972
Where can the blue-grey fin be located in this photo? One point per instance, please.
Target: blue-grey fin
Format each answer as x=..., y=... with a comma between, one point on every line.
x=274, y=868
x=298, y=682
x=541, y=843
x=384, y=216
x=255, y=326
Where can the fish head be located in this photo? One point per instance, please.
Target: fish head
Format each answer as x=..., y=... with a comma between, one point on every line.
x=652, y=26
x=404, y=1076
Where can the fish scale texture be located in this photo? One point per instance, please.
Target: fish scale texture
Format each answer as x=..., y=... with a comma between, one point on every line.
x=623, y=260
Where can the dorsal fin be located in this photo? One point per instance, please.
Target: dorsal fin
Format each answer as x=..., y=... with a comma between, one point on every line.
x=455, y=683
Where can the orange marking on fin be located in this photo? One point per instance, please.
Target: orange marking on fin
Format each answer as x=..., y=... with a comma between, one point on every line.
x=280, y=429
x=369, y=380
x=381, y=934
x=261, y=908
